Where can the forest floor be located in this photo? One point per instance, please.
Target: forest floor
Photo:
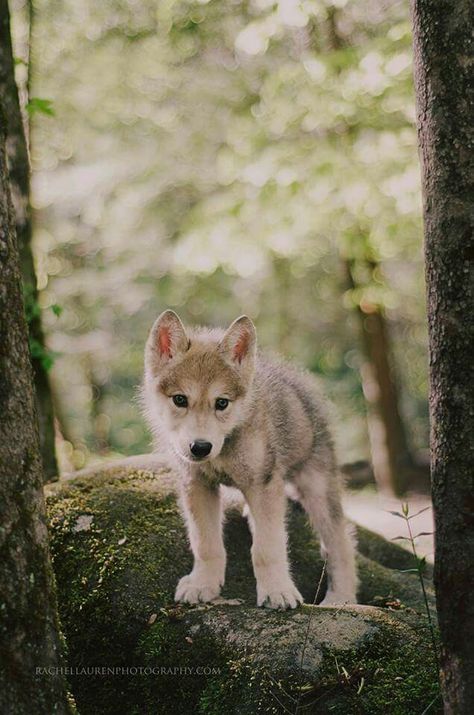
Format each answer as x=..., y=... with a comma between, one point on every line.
x=368, y=508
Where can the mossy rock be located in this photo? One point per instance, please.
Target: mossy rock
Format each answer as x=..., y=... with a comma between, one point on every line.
x=119, y=547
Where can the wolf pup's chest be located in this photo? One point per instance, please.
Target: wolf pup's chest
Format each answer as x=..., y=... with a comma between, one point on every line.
x=214, y=475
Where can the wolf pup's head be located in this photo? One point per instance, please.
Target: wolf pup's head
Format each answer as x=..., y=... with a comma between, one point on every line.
x=196, y=383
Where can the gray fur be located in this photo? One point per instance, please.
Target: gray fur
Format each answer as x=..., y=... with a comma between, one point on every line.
x=275, y=428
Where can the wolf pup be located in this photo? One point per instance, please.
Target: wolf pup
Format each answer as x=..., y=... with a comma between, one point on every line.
x=227, y=415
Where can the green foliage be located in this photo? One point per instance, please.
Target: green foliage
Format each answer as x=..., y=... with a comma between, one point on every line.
x=40, y=106
x=57, y=309
x=32, y=312
x=221, y=158
x=30, y=303
x=39, y=352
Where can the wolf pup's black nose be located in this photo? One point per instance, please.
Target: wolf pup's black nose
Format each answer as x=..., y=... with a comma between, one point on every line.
x=200, y=449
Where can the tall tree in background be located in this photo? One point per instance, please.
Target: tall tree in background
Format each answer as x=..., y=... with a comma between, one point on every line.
x=444, y=81
x=389, y=451
x=390, y=454
x=19, y=169
x=29, y=636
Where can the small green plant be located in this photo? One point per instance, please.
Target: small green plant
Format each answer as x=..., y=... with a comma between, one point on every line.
x=32, y=313
x=419, y=568
x=30, y=302
x=36, y=105
x=302, y=687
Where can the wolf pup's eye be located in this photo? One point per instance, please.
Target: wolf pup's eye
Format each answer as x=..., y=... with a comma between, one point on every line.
x=221, y=403
x=180, y=400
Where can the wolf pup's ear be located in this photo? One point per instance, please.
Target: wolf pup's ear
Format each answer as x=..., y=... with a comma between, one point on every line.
x=239, y=344
x=167, y=339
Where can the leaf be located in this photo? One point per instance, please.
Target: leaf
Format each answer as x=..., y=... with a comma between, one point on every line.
x=361, y=685
x=424, y=533
x=228, y=601
x=43, y=355
x=42, y=106
x=174, y=613
x=419, y=512
x=405, y=509
x=390, y=602
x=395, y=513
x=47, y=361
x=32, y=308
x=57, y=309
x=398, y=538
x=407, y=570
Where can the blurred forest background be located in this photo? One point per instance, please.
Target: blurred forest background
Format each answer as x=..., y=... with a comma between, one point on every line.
x=218, y=158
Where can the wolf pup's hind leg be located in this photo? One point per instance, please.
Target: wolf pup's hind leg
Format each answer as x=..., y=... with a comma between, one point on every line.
x=267, y=511
x=202, y=510
x=319, y=494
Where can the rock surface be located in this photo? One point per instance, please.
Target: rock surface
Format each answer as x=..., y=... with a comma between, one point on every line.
x=119, y=547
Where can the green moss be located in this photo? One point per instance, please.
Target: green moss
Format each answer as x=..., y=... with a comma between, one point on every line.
x=119, y=547
x=247, y=688
x=395, y=673
x=111, y=574
x=388, y=670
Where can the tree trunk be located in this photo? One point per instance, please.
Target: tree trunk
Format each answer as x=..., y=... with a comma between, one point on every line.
x=29, y=635
x=19, y=169
x=444, y=79
x=391, y=457
x=389, y=451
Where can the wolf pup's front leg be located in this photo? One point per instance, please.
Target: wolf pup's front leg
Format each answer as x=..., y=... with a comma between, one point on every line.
x=267, y=507
x=202, y=510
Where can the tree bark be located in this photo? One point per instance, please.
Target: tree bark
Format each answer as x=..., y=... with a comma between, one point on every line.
x=391, y=456
x=29, y=634
x=444, y=79
x=19, y=170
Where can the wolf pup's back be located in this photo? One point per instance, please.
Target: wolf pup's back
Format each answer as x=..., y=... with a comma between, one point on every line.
x=298, y=414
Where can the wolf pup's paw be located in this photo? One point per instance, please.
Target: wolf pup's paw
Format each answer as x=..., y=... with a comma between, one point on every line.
x=194, y=589
x=332, y=598
x=279, y=596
